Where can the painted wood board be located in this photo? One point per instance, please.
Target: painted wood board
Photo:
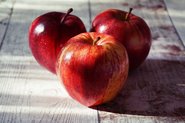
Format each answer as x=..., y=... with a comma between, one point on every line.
x=154, y=92
x=24, y=13
x=176, y=10
x=28, y=92
x=164, y=38
x=5, y=15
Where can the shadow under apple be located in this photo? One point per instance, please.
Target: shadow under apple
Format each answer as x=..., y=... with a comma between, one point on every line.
x=157, y=88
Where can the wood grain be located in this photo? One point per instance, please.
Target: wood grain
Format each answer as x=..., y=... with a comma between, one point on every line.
x=177, y=15
x=25, y=12
x=6, y=8
x=29, y=93
x=155, y=92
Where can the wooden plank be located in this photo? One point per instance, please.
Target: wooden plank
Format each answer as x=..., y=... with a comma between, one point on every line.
x=29, y=93
x=80, y=7
x=154, y=92
x=5, y=14
x=107, y=117
x=18, y=31
x=165, y=40
x=176, y=11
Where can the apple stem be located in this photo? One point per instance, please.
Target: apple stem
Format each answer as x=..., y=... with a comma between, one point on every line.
x=68, y=12
x=128, y=14
x=95, y=41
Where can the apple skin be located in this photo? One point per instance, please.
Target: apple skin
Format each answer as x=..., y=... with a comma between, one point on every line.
x=92, y=73
x=48, y=34
x=132, y=32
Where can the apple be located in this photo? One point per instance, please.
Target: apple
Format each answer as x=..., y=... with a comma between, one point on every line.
x=49, y=32
x=129, y=29
x=93, y=67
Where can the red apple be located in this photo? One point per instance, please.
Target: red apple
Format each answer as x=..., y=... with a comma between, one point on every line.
x=127, y=28
x=49, y=32
x=93, y=67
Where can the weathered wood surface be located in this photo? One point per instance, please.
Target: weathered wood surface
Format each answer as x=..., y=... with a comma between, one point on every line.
x=177, y=13
x=5, y=15
x=157, y=89
x=29, y=93
x=155, y=92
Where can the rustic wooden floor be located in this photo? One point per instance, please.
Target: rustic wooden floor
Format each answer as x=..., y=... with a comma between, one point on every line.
x=154, y=93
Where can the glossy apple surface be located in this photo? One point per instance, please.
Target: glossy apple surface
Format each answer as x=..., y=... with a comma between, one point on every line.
x=93, y=67
x=49, y=32
x=129, y=29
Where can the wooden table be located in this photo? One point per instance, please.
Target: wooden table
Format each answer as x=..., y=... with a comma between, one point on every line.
x=154, y=93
